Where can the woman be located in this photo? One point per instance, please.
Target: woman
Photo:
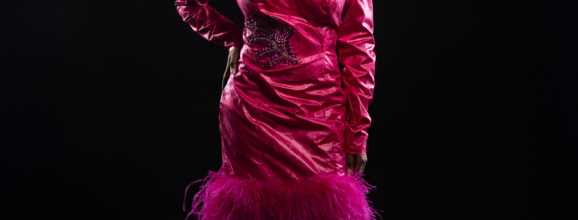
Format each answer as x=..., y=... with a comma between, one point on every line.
x=293, y=137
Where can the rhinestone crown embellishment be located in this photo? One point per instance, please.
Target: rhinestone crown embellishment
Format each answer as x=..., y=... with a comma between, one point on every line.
x=273, y=34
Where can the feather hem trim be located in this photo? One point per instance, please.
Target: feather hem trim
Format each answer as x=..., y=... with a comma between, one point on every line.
x=322, y=196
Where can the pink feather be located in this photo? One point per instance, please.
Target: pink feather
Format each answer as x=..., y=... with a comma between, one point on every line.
x=323, y=196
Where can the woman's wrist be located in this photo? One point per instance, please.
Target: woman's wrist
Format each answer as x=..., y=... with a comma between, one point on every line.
x=235, y=46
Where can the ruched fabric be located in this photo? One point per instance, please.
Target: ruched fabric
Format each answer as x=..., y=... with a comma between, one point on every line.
x=289, y=115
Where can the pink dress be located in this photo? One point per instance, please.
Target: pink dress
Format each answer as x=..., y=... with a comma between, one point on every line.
x=286, y=121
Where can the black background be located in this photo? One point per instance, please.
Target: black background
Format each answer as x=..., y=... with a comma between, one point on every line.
x=120, y=110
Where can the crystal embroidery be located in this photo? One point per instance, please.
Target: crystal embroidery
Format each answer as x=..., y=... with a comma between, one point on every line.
x=273, y=34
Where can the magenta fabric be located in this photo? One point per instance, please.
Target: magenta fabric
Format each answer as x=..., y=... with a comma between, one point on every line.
x=284, y=115
x=322, y=196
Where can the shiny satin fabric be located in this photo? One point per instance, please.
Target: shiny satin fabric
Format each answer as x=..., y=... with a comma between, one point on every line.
x=293, y=120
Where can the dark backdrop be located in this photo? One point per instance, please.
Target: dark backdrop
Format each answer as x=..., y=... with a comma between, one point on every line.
x=125, y=104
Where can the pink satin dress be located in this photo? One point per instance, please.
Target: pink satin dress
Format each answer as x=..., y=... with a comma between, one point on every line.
x=289, y=115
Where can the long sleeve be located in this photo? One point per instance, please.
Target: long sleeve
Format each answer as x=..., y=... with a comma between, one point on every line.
x=209, y=23
x=355, y=47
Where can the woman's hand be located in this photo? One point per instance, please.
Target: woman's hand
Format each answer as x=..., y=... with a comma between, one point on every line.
x=231, y=66
x=355, y=162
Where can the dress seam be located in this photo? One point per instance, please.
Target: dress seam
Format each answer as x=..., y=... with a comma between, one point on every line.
x=259, y=135
x=323, y=56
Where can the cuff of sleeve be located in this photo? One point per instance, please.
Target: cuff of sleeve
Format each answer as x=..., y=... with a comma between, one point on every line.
x=232, y=47
x=355, y=141
x=235, y=44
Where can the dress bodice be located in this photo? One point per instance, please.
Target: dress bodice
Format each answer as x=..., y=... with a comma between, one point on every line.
x=298, y=39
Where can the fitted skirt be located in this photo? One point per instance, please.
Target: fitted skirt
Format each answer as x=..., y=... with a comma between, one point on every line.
x=282, y=148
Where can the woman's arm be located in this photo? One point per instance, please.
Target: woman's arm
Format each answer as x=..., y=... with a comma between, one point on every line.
x=355, y=47
x=209, y=23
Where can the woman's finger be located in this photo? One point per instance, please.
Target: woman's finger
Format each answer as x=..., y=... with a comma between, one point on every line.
x=228, y=68
x=360, y=160
x=364, y=163
x=349, y=163
x=234, y=58
x=233, y=67
x=358, y=165
x=226, y=74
